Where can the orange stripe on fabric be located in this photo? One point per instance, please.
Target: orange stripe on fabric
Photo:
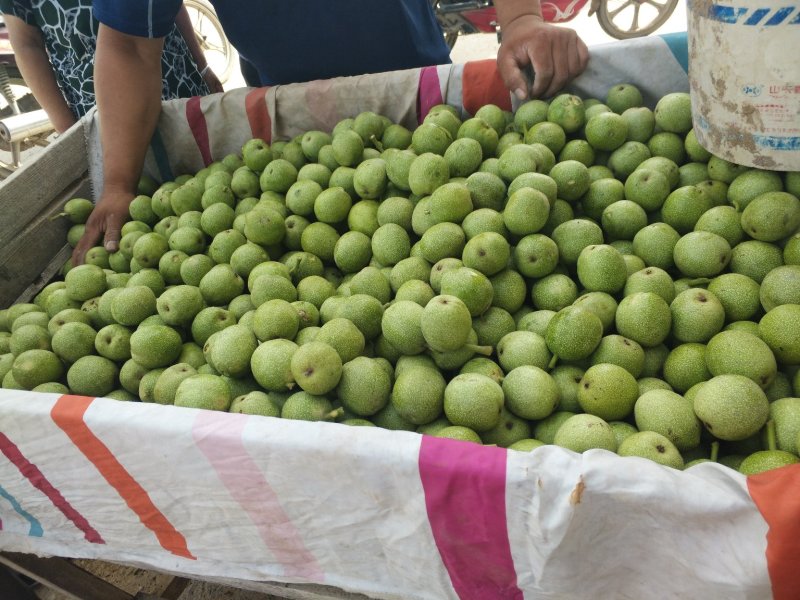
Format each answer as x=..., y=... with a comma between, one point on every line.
x=68, y=413
x=777, y=495
x=481, y=84
x=255, y=105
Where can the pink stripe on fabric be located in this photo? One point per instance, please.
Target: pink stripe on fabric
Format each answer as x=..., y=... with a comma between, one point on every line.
x=40, y=482
x=465, y=494
x=199, y=127
x=430, y=92
x=219, y=438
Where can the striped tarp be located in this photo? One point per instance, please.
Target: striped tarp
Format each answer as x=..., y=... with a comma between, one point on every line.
x=389, y=514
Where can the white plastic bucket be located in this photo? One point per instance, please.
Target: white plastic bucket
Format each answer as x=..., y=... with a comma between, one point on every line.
x=744, y=74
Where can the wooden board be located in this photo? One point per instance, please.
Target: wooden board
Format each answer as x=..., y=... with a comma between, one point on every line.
x=32, y=189
x=24, y=258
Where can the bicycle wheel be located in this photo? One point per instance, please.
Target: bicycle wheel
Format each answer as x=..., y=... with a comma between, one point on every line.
x=625, y=19
x=216, y=47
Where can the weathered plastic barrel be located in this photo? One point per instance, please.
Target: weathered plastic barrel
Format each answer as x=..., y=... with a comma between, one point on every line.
x=744, y=73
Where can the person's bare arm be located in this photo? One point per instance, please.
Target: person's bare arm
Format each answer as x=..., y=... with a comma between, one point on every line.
x=556, y=54
x=37, y=71
x=128, y=90
x=184, y=23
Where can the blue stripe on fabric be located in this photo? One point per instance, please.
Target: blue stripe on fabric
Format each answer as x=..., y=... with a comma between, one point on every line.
x=679, y=46
x=36, y=527
x=161, y=156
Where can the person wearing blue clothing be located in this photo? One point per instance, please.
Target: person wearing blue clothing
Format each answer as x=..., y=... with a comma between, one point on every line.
x=289, y=41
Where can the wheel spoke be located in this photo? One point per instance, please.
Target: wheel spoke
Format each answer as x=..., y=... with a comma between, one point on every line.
x=213, y=47
x=658, y=5
x=616, y=11
x=635, y=22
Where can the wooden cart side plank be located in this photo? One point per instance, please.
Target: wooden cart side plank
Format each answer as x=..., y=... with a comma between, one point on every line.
x=63, y=576
x=24, y=260
x=290, y=591
x=30, y=190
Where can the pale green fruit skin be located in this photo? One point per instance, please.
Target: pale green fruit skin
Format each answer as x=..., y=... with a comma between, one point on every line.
x=520, y=348
x=766, y=460
x=697, y=315
x=669, y=414
x=229, y=351
x=608, y=391
x=732, y=407
x=203, y=391
x=573, y=333
x=316, y=368
x=364, y=387
x=786, y=414
x=458, y=432
x=169, y=380
x=446, y=323
x=92, y=376
x=526, y=445
x=530, y=392
x=654, y=446
x=685, y=366
x=621, y=351
x=473, y=400
x=741, y=353
x=271, y=364
x=583, y=432
x=780, y=329
x=35, y=367
x=509, y=430
x=739, y=295
x=644, y=317
x=255, y=403
x=418, y=394
x=601, y=268
x=401, y=326
x=780, y=286
x=771, y=216
x=155, y=346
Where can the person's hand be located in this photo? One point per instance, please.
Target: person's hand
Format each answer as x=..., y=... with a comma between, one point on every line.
x=556, y=54
x=104, y=222
x=213, y=82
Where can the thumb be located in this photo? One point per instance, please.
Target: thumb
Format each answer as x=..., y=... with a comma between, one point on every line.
x=112, y=236
x=512, y=76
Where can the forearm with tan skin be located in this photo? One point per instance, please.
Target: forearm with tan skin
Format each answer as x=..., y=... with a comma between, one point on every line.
x=184, y=24
x=556, y=53
x=37, y=71
x=128, y=91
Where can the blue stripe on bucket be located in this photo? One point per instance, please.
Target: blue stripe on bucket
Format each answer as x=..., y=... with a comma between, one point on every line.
x=678, y=45
x=743, y=15
x=777, y=142
x=725, y=14
x=756, y=16
x=780, y=15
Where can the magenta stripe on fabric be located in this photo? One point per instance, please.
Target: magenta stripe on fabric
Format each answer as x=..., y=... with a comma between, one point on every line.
x=429, y=94
x=219, y=438
x=465, y=495
x=199, y=127
x=40, y=482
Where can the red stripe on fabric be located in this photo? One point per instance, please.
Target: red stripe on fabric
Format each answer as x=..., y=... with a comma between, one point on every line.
x=255, y=105
x=40, y=482
x=68, y=413
x=465, y=495
x=777, y=495
x=219, y=438
x=199, y=127
x=429, y=93
x=481, y=84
